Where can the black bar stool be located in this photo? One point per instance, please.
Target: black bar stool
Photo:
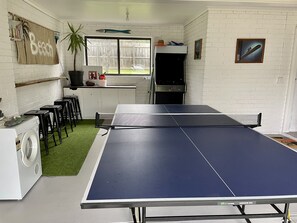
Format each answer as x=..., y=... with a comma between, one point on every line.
x=71, y=110
x=44, y=125
x=58, y=122
x=66, y=112
x=76, y=105
x=72, y=105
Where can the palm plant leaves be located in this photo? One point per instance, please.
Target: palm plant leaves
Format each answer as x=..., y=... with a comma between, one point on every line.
x=76, y=41
x=25, y=28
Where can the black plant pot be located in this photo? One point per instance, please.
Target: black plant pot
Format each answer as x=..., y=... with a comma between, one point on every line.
x=76, y=78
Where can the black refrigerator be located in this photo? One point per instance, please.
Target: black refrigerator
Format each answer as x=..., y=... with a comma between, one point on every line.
x=169, y=74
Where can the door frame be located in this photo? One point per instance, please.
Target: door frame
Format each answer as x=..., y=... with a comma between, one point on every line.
x=287, y=116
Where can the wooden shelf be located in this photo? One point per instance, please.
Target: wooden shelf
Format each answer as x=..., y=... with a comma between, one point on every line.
x=107, y=87
x=26, y=83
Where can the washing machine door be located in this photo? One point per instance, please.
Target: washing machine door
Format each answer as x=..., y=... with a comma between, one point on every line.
x=29, y=148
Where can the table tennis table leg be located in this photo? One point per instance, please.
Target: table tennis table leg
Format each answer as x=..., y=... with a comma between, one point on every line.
x=133, y=215
x=242, y=211
x=286, y=212
x=143, y=215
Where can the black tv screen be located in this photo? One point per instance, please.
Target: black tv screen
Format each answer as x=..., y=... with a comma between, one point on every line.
x=169, y=68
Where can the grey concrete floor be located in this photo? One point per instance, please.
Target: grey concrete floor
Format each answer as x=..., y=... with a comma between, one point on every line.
x=57, y=200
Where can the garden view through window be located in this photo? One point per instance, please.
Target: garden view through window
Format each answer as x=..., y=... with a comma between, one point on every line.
x=125, y=56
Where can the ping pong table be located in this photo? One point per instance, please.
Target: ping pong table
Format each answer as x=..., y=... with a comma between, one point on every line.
x=159, y=155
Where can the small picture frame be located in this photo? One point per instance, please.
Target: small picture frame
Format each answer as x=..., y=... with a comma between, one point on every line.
x=198, y=49
x=249, y=50
x=93, y=75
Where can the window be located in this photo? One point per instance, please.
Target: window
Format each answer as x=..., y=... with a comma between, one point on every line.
x=124, y=56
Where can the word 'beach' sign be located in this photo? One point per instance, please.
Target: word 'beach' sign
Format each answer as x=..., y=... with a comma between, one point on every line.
x=38, y=46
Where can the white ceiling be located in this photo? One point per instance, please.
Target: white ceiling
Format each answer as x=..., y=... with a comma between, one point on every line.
x=143, y=11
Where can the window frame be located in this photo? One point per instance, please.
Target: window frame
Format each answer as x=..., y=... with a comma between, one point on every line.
x=118, y=52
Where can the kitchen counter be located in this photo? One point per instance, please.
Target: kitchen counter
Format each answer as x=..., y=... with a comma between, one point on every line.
x=101, y=99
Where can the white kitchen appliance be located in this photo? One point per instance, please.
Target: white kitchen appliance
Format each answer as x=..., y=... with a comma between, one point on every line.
x=20, y=161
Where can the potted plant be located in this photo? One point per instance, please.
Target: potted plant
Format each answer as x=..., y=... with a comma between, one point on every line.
x=76, y=43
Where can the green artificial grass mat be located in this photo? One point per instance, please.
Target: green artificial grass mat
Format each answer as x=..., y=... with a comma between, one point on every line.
x=67, y=158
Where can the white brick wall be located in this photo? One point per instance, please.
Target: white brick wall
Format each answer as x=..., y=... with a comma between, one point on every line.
x=291, y=109
x=195, y=68
x=245, y=88
x=37, y=95
x=165, y=32
x=215, y=79
x=7, y=89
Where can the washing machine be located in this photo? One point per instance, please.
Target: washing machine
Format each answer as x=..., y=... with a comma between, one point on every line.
x=20, y=160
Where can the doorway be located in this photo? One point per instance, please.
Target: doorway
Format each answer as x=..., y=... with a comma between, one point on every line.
x=290, y=114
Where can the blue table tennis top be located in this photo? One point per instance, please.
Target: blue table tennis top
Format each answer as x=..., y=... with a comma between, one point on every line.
x=202, y=164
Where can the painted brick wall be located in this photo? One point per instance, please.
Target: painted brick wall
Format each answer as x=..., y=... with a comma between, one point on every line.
x=7, y=89
x=215, y=79
x=247, y=88
x=290, y=121
x=195, y=30
x=165, y=32
x=35, y=96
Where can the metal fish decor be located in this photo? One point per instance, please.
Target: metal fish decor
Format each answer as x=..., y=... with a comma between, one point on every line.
x=127, y=31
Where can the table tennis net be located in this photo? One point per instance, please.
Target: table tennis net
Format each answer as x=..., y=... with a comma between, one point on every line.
x=181, y=120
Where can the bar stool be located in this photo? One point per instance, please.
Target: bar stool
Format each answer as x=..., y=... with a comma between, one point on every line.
x=44, y=125
x=66, y=112
x=58, y=122
x=71, y=111
x=76, y=105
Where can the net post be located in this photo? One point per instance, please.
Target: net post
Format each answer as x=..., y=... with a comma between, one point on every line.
x=97, y=120
x=259, y=119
